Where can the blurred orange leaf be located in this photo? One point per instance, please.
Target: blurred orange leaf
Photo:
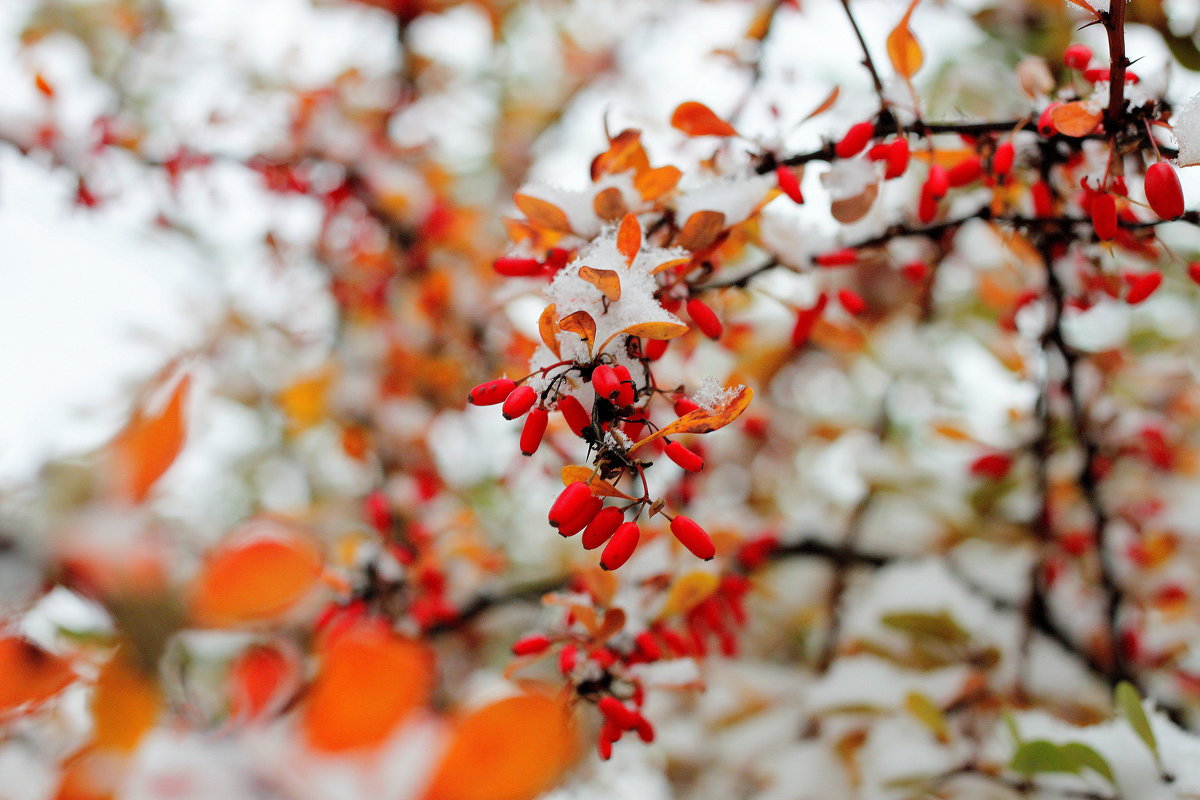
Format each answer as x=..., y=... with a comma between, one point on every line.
x=303, y=402
x=629, y=238
x=609, y=204
x=701, y=229
x=656, y=330
x=369, y=681
x=825, y=105
x=697, y=119
x=654, y=183
x=543, y=213
x=512, y=749
x=30, y=675
x=255, y=577
x=148, y=445
x=903, y=48
x=1074, y=119
x=261, y=678
x=125, y=705
x=625, y=152
x=702, y=420
x=548, y=328
x=688, y=591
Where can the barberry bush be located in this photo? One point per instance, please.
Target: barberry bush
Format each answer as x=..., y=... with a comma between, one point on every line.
x=781, y=399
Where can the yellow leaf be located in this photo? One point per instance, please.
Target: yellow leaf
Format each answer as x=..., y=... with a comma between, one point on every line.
x=656, y=330
x=605, y=280
x=688, y=591
x=704, y=421
x=1074, y=119
x=599, y=486
x=148, y=445
x=903, y=48
x=629, y=238
x=304, y=401
x=697, y=119
x=542, y=213
x=701, y=230
x=928, y=714
x=670, y=264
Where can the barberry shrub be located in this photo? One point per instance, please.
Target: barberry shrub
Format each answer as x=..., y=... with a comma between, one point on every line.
x=774, y=398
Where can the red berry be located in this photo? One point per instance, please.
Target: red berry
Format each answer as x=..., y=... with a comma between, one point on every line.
x=621, y=546
x=1077, y=56
x=855, y=140
x=645, y=730
x=897, y=159
x=517, y=267
x=1163, y=191
x=938, y=181
x=568, y=657
x=520, y=401
x=625, y=390
x=850, y=301
x=693, y=537
x=838, y=258
x=927, y=206
x=531, y=645
x=585, y=515
x=533, y=430
x=569, y=502
x=1043, y=199
x=655, y=349
x=614, y=711
x=492, y=392
x=1193, y=270
x=915, y=271
x=1104, y=216
x=806, y=320
x=705, y=318
x=685, y=405
x=1002, y=159
x=1046, y=126
x=578, y=419
x=605, y=382
x=1141, y=286
x=993, y=466
x=965, y=172
x=789, y=183
x=646, y=643
x=602, y=526
x=684, y=457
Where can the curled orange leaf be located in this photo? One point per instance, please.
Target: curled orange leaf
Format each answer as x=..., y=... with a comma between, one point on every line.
x=543, y=213
x=582, y=325
x=1075, y=119
x=548, y=328
x=654, y=183
x=599, y=486
x=609, y=204
x=703, y=420
x=701, y=230
x=605, y=280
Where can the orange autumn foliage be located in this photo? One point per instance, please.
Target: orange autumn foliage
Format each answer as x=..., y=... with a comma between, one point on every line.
x=142, y=452
x=29, y=675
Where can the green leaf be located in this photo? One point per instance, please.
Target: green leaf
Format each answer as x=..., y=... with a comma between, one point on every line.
x=1085, y=756
x=1129, y=704
x=929, y=714
x=1040, y=755
x=939, y=626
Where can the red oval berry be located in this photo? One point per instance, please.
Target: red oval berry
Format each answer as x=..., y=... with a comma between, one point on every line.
x=492, y=392
x=855, y=140
x=520, y=401
x=605, y=382
x=655, y=349
x=1163, y=191
x=616, y=712
x=621, y=546
x=645, y=730
x=927, y=206
x=531, y=645
x=789, y=183
x=1043, y=199
x=693, y=537
x=1104, y=216
x=993, y=466
x=965, y=172
x=1141, y=286
x=806, y=320
x=1002, y=159
x=1193, y=270
x=568, y=657
x=851, y=301
x=602, y=527
x=1077, y=56
x=684, y=457
x=625, y=391
x=569, y=502
x=647, y=644
x=577, y=417
x=517, y=267
x=838, y=258
x=581, y=519
x=938, y=182
x=533, y=430
x=897, y=159
x=705, y=318
x=1096, y=74
x=1046, y=126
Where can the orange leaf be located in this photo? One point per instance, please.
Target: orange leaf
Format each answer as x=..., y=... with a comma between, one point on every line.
x=903, y=48
x=625, y=152
x=255, y=577
x=369, y=681
x=825, y=105
x=125, y=705
x=603, y=279
x=582, y=325
x=669, y=264
x=1074, y=119
x=304, y=401
x=629, y=238
x=543, y=213
x=31, y=675
x=609, y=204
x=697, y=119
x=1084, y=5
x=512, y=749
x=262, y=677
x=148, y=445
x=701, y=229
x=852, y=209
x=702, y=420
x=548, y=328
x=599, y=486
x=654, y=183
x=656, y=330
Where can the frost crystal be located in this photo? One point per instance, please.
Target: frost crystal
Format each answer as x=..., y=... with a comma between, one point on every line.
x=711, y=396
x=1187, y=133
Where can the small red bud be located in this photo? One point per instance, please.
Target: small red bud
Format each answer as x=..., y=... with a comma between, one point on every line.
x=520, y=401
x=705, y=318
x=789, y=183
x=621, y=546
x=693, y=537
x=855, y=140
x=1077, y=56
x=531, y=645
x=578, y=419
x=602, y=526
x=533, y=431
x=1163, y=191
x=838, y=258
x=492, y=392
x=684, y=457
